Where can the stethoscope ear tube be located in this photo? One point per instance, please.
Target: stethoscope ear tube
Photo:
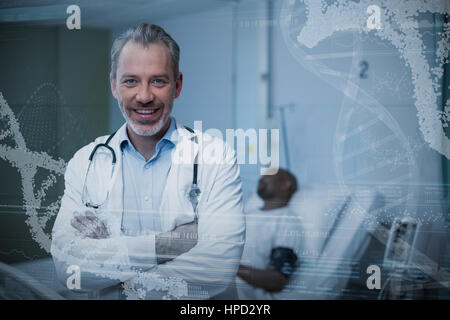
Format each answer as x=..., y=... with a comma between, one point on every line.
x=91, y=156
x=106, y=146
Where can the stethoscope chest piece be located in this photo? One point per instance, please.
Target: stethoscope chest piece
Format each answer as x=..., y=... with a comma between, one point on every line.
x=194, y=194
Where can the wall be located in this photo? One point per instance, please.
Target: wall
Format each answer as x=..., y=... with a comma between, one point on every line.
x=57, y=90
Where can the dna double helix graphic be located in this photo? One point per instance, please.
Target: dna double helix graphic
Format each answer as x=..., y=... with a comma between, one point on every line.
x=370, y=144
x=21, y=145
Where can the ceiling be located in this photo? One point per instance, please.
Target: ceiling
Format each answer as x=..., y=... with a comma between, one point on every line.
x=102, y=13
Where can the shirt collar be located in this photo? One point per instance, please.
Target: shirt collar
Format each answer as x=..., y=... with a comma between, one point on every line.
x=171, y=136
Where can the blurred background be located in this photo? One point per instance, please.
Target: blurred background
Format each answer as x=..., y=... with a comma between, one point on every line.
x=352, y=101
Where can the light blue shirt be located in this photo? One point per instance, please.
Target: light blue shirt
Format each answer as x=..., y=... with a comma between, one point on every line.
x=144, y=182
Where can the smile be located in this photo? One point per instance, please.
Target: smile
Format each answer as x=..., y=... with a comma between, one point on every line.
x=147, y=114
x=146, y=111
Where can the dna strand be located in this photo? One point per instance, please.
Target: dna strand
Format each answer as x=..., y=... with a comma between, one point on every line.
x=14, y=150
x=365, y=127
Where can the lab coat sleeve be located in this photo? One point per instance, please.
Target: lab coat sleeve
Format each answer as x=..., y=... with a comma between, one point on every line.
x=102, y=262
x=211, y=265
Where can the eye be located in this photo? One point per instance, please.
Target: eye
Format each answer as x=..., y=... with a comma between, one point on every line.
x=159, y=82
x=130, y=82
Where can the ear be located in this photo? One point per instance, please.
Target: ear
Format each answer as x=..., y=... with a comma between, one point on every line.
x=112, y=82
x=178, y=85
x=286, y=185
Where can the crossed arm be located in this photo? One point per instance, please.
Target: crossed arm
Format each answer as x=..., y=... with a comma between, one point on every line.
x=168, y=245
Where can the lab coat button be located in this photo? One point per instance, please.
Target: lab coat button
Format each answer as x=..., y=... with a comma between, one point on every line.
x=146, y=198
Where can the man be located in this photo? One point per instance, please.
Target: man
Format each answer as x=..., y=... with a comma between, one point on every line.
x=142, y=216
x=273, y=243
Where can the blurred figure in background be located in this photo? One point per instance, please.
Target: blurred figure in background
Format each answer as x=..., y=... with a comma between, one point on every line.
x=272, y=245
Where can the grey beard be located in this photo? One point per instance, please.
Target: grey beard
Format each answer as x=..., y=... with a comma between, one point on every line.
x=159, y=125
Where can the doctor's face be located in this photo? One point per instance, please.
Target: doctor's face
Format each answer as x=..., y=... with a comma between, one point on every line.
x=145, y=87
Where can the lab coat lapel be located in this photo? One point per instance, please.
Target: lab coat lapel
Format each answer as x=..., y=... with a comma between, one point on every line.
x=175, y=207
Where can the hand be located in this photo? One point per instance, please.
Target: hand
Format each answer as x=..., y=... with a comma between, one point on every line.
x=89, y=225
x=170, y=245
x=269, y=280
x=244, y=271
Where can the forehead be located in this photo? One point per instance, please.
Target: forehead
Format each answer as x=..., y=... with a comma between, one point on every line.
x=144, y=61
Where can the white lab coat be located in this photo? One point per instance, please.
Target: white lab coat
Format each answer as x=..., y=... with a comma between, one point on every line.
x=205, y=270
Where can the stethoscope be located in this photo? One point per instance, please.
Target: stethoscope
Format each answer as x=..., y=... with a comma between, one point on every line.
x=192, y=195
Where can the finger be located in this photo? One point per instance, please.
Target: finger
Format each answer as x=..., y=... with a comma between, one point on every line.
x=90, y=216
x=89, y=213
x=86, y=231
x=98, y=225
x=77, y=215
x=83, y=221
x=101, y=233
x=78, y=220
x=88, y=225
x=106, y=232
x=77, y=225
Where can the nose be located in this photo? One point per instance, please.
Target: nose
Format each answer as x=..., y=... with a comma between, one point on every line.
x=145, y=94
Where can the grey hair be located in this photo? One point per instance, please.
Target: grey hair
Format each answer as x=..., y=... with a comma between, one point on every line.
x=145, y=34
